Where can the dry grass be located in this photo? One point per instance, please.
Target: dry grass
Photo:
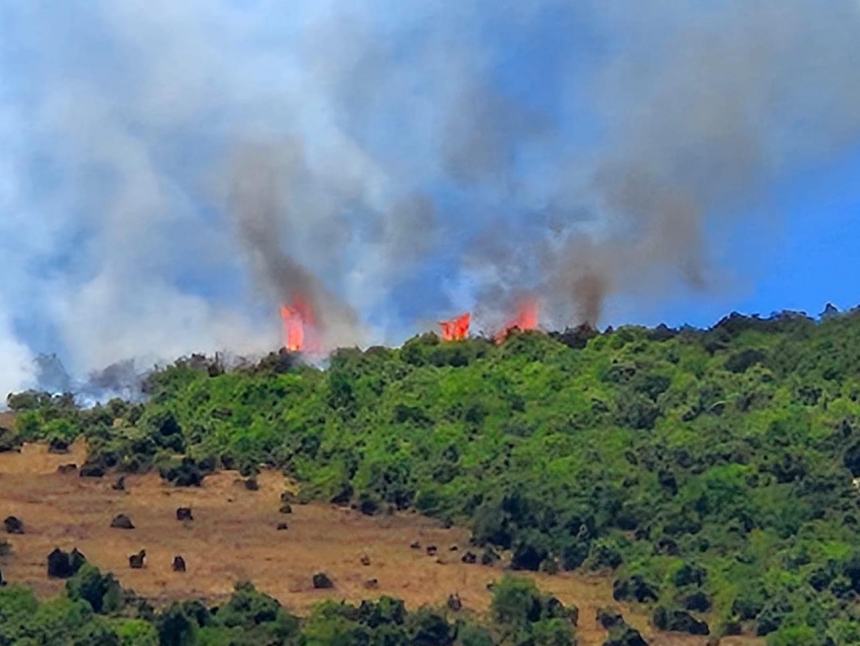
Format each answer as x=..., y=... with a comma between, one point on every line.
x=233, y=536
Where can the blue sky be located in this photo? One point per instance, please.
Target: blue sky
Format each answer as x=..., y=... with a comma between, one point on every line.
x=683, y=160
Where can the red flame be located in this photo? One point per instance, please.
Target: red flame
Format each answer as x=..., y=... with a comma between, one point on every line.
x=526, y=319
x=456, y=329
x=300, y=333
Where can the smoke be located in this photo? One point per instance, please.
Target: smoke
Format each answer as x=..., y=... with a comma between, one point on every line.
x=260, y=210
x=16, y=363
x=173, y=172
x=703, y=110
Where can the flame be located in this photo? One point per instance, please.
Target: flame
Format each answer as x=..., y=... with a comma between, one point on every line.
x=300, y=334
x=525, y=319
x=456, y=329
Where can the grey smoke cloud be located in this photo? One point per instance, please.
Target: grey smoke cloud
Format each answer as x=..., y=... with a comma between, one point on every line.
x=176, y=171
x=703, y=109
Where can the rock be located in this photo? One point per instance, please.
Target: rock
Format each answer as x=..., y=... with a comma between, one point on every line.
x=121, y=521
x=609, y=617
x=178, y=564
x=453, y=548
x=431, y=550
x=13, y=525
x=365, y=560
x=251, y=484
x=286, y=508
x=67, y=468
x=2, y=580
x=368, y=506
x=321, y=581
x=281, y=527
x=469, y=557
x=136, y=561
x=58, y=446
x=454, y=602
x=184, y=513
x=62, y=565
x=371, y=584
x=91, y=470
x=415, y=545
x=119, y=485
x=76, y=560
x=58, y=564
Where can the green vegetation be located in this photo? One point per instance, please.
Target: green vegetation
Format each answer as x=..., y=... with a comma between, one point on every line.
x=710, y=472
x=95, y=611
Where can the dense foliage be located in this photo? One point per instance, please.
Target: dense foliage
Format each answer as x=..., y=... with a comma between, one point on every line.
x=710, y=471
x=95, y=611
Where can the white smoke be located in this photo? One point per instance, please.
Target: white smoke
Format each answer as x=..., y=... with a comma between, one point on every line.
x=424, y=158
x=17, y=369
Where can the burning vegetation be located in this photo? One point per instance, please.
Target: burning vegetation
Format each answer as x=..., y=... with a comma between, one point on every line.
x=300, y=333
x=456, y=329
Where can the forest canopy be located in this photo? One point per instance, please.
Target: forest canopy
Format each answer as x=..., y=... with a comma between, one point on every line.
x=712, y=473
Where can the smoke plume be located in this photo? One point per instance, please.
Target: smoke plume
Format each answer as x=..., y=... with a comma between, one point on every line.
x=172, y=173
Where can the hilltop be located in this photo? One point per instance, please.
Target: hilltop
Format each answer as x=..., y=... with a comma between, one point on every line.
x=708, y=473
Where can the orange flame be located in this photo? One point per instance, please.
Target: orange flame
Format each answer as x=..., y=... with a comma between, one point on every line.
x=526, y=319
x=299, y=326
x=456, y=329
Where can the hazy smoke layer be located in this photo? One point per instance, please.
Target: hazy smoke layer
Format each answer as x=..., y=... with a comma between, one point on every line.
x=172, y=172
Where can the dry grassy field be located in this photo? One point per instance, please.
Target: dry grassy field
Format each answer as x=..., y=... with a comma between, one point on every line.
x=234, y=536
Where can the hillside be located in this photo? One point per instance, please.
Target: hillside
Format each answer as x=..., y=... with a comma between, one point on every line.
x=708, y=473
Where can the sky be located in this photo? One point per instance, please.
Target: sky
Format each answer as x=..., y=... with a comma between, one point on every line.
x=170, y=173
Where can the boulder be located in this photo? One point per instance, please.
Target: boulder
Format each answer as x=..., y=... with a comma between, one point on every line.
x=119, y=484
x=251, y=484
x=184, y=513
x=67, y=468
x=13, y=525
x=281, y=527
x=91, y=470
x=365, y=560
x=121, y=521
x=371, y=584
x=136, y=561
x=178, y=564
x=62, y=565
x=322, y=581
x=58, y=446
x=469, y=557
x=76, y=560
x=609, y=617
x=454, y=602
x=431, y=550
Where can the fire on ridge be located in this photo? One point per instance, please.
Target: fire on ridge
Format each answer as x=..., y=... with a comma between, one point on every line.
x=301, y=331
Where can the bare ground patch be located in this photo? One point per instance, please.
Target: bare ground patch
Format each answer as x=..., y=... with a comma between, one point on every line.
x=234, y=536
